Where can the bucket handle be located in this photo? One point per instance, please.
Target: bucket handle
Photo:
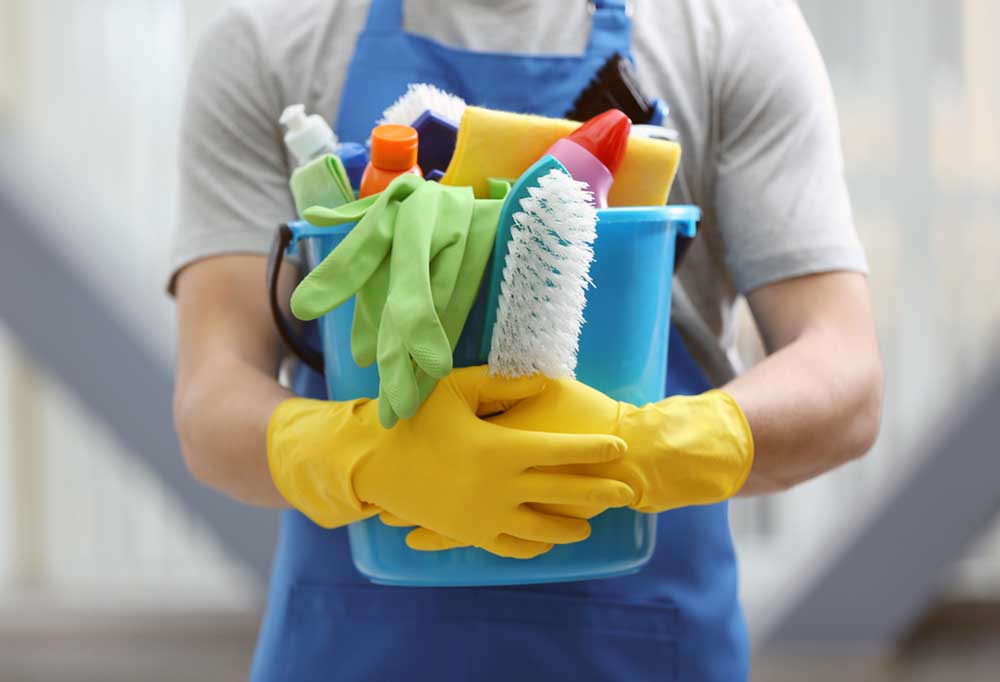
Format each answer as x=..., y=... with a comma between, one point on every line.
x=282, y=239
x=687, y=220
x=682, y=242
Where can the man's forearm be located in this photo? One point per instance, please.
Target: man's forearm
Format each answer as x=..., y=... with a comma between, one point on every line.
x=812, y=406
x=227, y=359
x=222, y=420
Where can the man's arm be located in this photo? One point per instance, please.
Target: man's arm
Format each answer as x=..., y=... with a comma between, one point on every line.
x=815, y=401
x=227, y=361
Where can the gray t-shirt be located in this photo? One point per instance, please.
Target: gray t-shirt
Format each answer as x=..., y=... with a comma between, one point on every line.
x=745, y=83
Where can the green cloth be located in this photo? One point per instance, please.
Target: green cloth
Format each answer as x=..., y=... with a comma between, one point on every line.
x=415, y=260
x=321, y=182
x=498, y=188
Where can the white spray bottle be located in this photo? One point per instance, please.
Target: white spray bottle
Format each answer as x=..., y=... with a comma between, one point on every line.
x=320, y=178
x=308, y=137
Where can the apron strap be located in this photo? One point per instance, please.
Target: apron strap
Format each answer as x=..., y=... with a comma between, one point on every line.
x=612, y=29
x=385, y=16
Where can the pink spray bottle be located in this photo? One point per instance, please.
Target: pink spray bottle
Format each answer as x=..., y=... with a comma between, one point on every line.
x=593, y=152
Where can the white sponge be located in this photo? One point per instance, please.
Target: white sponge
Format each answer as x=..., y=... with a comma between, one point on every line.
x=545, y=278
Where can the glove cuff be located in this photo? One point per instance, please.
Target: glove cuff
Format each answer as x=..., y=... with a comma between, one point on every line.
x=699, y=448
x=321, y=489
x=738, y=427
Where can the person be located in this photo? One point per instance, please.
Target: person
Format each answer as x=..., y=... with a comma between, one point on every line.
x=750, y=98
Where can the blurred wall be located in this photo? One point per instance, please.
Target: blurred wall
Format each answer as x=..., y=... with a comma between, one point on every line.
x=92, y=91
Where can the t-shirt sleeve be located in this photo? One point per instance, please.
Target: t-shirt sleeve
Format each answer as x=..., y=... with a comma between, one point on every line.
x=233, y=184
x=781, y=199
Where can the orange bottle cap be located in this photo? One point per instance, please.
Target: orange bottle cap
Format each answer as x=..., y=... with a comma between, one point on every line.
x=394, y=147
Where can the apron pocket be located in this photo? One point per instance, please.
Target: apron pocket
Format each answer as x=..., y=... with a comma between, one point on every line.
x=414, y=634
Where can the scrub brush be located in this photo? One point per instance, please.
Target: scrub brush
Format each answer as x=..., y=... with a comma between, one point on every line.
x=615, y=86
x=545, y=273
x=421, y=97
x=435, y=115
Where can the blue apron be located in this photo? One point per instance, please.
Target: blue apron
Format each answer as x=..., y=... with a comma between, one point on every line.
x=677, y=619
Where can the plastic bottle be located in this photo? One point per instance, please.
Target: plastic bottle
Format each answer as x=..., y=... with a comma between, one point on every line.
x=308, y=137
x=393, y=153
x=355, y=159
x=320, y=178
x=593, y=152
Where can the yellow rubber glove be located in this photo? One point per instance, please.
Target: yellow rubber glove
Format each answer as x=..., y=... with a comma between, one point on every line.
x=446, y=469
x=682, y=451
x=420, y=539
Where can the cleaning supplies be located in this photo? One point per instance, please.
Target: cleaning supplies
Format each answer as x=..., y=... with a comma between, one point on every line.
x=593, y=152
x=320, y=178
x=333, y=281
x=615, y=86
x=437, y=141
x=354, y=156
x=308, y=137
x=542, y=257
x=393, y=153
x=434, y=114
x=432, y=470
x=421, y=97
x=623, y=353
x=501, y=244
x=416, y=259
x=452, y=306
x=367, y=262
x=501, y=144
x=410, y=333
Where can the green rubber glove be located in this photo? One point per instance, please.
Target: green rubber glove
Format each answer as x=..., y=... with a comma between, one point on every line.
x=348, y=267
x=453, y=311
x=330, y=284
x=386, y=260
x=431, y=228
x=416, y=260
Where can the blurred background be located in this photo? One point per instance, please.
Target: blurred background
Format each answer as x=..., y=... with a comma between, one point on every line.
x=114, y=565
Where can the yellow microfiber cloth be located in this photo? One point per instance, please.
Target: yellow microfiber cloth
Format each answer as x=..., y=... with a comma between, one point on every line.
x=500, y=144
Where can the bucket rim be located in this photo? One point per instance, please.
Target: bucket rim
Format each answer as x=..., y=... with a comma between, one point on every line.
x=686, y=215
x=670, y=213
x=303, y=228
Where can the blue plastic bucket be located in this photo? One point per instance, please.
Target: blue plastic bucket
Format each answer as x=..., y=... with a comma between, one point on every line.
x=623, y=352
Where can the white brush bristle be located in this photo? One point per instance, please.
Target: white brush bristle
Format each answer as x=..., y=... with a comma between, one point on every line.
x=545, y=278
x=420, y=97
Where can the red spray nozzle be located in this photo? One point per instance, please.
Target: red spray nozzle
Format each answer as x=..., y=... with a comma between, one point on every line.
x=605, y=136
